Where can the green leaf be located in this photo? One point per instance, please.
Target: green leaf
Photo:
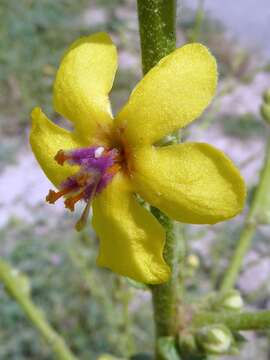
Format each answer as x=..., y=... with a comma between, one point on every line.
x=167, y=348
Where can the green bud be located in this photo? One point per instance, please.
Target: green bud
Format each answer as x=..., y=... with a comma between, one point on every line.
x=265, y=112
x=167, y=348
x=266, y=96
x=193, y=261
x=188, y=343
x=108, y=357
x=22, y=281
x=14, y=280
x=232, y=301
x=215, y=339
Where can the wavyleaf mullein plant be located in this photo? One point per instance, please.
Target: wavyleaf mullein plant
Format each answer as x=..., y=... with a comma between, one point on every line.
x=105, y=162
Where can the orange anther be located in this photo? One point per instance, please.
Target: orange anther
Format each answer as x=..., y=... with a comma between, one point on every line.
x=61, y=157
x=53, y=195
x=71, y=201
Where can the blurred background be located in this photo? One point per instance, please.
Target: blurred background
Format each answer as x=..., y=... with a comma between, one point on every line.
x=94, y=310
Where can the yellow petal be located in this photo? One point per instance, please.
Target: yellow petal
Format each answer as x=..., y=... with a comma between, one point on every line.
x=83, y=81
x=46, y=139
x=170, y=96
x=192, y=183
x=131, y=239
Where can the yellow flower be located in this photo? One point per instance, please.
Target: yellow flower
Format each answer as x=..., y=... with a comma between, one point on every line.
x=106, y=162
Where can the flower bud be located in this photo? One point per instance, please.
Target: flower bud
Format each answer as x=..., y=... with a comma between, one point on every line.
x=265, y=112
x=232, y=301
x=167, y=349
x=266, y=97
x=107, y=357
x=215, y=339
x=22, y=281
x=193, y=261
x=187, y=343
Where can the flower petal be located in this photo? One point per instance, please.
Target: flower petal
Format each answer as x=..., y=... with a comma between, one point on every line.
x=170, y=96
x=83, y=81
x=192, y=183
x=46, y=139
x=131, y=239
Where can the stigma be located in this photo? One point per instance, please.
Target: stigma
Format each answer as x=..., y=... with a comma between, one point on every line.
x=97, y=166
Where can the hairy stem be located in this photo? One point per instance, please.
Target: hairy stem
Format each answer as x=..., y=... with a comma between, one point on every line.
x=166, y=296
x=259, y=203
x=157, y=20
x=16, y=286
x=240, y=321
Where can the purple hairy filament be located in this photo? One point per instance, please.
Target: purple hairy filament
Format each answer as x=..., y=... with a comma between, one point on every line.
x=97, y=168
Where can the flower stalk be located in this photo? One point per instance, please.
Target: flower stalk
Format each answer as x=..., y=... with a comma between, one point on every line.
x=236, y=322
x=157, y=23
x=166, y=296
x=17, y=287
x=256, y=215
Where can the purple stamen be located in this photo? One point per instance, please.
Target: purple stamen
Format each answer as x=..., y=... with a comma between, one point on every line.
x=96, y=164
x=97, y=168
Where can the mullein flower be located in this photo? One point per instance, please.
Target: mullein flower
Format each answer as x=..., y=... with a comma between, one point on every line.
x=105, y=162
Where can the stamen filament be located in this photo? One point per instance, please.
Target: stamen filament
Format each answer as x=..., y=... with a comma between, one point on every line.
x=83, y=219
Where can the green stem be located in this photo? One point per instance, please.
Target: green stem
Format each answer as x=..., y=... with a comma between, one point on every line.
x=260, y=202
x=157, y=24
x=17, y=287
x=235, y=321
x=165, y=296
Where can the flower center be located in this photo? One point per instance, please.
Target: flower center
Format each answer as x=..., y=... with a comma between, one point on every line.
x=97, y=165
